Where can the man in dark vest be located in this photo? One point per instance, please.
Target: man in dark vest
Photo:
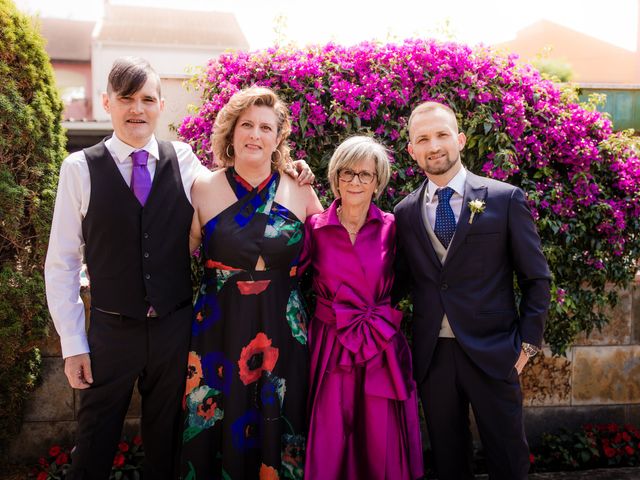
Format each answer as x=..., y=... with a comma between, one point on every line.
x=123, y=206
x=461, y=241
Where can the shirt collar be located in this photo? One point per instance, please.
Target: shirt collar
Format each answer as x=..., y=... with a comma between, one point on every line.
x=456, y=183
x=123, y=150
x=330, y=215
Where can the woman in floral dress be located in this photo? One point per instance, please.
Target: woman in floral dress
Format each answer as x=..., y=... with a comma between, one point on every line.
x=245, y=397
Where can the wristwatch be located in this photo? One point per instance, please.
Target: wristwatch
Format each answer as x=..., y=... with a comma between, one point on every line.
x=529, y=350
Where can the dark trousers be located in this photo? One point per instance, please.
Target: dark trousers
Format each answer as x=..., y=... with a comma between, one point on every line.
x=152, y=351
x=453, y=382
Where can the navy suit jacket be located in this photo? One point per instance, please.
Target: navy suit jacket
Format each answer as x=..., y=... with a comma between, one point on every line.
x=475, y=286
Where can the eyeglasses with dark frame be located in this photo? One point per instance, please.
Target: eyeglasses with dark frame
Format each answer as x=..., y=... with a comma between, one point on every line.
x=364, y=176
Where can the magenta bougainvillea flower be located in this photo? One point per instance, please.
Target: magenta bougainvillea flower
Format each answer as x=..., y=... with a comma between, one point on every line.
x=582, y=178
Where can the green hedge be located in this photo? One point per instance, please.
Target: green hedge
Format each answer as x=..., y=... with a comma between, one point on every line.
x=31, y=149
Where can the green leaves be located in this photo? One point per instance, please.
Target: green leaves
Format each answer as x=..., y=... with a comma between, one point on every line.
x=31, y=150
x=582, y=180
x=592, y=446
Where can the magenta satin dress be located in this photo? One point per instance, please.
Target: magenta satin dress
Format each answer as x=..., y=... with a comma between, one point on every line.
x=363, y=407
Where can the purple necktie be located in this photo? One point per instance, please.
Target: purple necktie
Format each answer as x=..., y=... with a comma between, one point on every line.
x=140, y=176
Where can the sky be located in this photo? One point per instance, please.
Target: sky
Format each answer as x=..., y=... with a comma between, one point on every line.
x=352, y=21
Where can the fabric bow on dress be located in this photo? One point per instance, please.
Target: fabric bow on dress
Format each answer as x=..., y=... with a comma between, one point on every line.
x=366, y=331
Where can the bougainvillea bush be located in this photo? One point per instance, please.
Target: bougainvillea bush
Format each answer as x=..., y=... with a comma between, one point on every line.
x=582, y=179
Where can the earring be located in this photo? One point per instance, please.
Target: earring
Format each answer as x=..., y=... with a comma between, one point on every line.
x=279, y=157
x=226, y=150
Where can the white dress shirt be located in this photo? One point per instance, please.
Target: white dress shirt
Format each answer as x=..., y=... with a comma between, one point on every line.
x=66, y=245
x=457, y=184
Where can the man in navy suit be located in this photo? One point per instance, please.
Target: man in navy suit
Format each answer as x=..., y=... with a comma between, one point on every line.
x=462, y=241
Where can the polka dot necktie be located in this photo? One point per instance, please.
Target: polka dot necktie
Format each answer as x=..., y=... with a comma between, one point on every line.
x=140, y=176
x=445, y=219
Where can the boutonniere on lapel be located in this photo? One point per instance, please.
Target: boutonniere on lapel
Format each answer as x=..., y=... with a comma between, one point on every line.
x=476, y=206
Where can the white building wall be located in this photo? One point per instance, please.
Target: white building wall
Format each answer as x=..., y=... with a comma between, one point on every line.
x=169, y=61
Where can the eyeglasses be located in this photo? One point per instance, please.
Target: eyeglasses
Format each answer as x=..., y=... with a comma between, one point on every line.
x=364, y=176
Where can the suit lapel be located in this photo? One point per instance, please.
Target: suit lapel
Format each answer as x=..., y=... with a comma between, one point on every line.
x=474, y=189
x=417, y=223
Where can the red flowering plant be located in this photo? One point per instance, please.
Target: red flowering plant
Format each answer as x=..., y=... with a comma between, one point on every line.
x=593, y=446
x=127, y=462
x=53, y=466
x=581, y=178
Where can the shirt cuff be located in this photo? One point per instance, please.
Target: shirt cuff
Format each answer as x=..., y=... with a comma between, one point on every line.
x=74, y=345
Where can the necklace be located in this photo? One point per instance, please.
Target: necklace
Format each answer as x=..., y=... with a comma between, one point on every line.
x=353, y=233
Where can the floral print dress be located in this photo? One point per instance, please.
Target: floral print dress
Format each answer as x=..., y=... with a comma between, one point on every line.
x=246, y=388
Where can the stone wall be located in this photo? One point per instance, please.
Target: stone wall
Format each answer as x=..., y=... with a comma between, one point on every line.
x=51, y=414
x=597, y=382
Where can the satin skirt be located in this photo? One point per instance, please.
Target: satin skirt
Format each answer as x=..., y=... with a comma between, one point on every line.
x=356, y=429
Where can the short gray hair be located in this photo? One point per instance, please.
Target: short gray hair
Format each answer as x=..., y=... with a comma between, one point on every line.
x=351, y=152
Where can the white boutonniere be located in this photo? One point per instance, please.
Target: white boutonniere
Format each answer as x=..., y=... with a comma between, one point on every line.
x=476, y=206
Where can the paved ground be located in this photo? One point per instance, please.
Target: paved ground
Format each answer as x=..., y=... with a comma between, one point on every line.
x=603, y=474
x=20, y=473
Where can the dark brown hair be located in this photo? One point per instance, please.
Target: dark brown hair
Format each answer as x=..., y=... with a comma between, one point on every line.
x=129, y=74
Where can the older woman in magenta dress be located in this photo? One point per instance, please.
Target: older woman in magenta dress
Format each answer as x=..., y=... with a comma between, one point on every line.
x=363, y=407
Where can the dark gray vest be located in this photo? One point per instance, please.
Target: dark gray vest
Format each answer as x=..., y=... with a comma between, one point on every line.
x=137, y=256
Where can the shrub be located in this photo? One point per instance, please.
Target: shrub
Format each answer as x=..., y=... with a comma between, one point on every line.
x=582, y=179
x=127, y=462
x=554, y=69
x=593, y=446
x=31, y=149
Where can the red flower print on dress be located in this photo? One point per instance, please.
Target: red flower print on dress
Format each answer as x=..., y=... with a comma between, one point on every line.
x=253, y=287
x=220, y=266
x=194, y=372
x=257, y=357
x=268, y=473
x=207, y=409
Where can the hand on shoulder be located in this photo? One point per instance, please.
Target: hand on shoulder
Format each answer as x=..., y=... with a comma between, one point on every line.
x=299, y=199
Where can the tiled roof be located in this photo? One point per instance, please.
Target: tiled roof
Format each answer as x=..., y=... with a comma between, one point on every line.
x=67, y=39
x=159, y=26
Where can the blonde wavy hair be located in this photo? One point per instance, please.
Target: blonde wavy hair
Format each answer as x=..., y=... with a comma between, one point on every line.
x=225, y=124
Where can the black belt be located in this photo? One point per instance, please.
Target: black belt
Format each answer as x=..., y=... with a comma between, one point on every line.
x=152, y=313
